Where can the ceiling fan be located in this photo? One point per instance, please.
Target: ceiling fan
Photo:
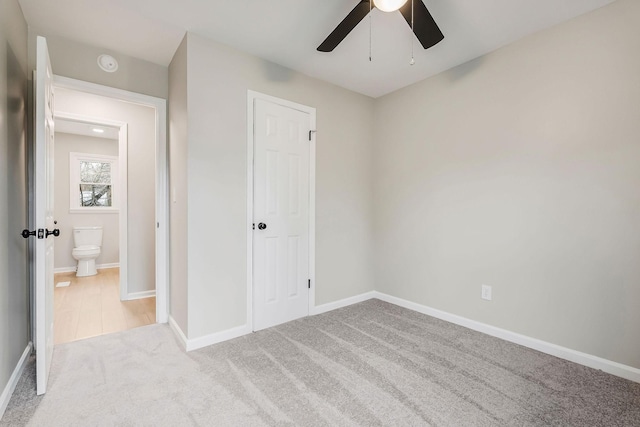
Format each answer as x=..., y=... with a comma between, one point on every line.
x=424, y=27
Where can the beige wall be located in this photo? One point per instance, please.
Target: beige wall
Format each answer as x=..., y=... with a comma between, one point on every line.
x=64, y=144
x=79, y=61
x=178, y=140
x=141, y=176
x=14, y=284
x=520, y=170
x=218, y=79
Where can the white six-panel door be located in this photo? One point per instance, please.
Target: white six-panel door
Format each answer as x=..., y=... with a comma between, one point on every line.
x=280, y=214
x=43, y=206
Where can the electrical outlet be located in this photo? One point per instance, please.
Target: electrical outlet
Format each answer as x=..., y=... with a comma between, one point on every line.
x=486, y=292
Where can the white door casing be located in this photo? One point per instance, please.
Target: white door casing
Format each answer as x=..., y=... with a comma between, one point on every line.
x=43, y=207
x=281, y=213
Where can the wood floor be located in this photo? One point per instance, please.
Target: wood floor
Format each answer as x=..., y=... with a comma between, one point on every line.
x=91, y=306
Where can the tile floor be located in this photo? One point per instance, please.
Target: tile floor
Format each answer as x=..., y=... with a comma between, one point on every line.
x=91, y=306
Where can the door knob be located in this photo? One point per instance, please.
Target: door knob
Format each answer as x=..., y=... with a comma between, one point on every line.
x=55, y=232
x=26, y=233
x=262, y=226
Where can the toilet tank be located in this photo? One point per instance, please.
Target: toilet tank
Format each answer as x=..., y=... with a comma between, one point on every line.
x=87, y=236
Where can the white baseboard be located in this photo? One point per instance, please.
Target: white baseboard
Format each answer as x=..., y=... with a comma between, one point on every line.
x=207, y=340
x=585, y=359
x=103, y=266
x=5, y=397
x=342, y=303
x=73, y=269
x=140, y=295
x=178, y=331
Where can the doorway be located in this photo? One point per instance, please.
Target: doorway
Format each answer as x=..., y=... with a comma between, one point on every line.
x=281, y=210
x=142, y=230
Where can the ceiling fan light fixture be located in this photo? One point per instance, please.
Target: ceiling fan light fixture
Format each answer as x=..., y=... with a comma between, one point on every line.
x=389, y=5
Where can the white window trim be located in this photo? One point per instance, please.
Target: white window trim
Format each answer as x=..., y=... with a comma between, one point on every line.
x=74, y=181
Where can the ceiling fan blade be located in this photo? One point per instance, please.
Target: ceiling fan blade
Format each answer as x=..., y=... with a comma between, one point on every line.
x=424, y=26
x=349, y=23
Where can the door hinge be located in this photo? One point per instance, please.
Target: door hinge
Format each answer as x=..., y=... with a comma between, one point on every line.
x=40, y=233
x=310, y=133
x=309, y=283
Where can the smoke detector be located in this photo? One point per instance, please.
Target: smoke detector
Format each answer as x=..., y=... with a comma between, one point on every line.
x=107, y=63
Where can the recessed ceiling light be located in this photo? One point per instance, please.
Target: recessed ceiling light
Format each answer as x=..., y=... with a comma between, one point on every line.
x=98, y=130
x=107, y=63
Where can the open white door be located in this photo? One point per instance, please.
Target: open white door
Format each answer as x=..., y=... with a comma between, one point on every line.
x=43, y=205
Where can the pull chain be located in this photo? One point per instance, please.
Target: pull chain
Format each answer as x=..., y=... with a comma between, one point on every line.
x=413, y=36
x=370, y=9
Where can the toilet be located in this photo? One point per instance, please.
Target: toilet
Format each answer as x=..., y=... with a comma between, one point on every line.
x=87, y=242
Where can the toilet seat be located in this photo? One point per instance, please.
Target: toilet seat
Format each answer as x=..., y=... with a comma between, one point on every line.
x=86, y=250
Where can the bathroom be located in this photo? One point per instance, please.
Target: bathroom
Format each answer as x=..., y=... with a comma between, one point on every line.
x=104, y=186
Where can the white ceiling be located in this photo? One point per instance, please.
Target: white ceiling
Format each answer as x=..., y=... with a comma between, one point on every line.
x=288, y=31
x=86, y=129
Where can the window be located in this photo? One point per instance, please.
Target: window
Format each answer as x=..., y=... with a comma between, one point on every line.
x=93, y=182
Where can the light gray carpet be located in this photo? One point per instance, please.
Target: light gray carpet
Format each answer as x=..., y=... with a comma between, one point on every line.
x=371, y=364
